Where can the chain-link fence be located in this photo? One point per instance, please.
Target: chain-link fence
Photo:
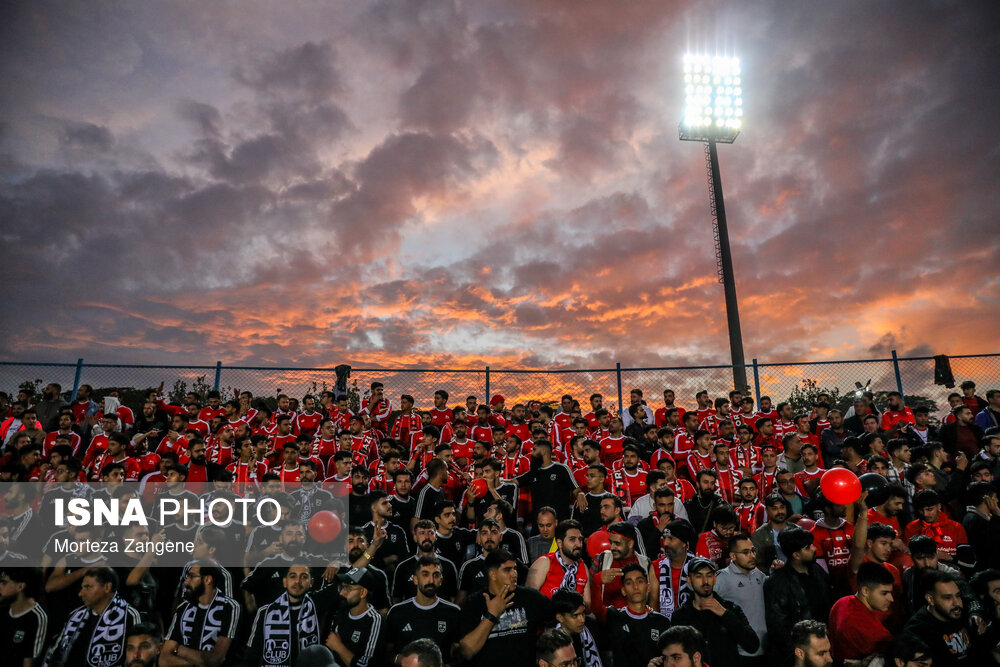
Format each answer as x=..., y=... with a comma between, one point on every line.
x=799, y=381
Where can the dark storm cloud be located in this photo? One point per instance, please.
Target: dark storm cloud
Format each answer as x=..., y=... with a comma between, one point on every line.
x=460, y=182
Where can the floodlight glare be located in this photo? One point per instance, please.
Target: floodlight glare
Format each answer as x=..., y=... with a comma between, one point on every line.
x=709, y=96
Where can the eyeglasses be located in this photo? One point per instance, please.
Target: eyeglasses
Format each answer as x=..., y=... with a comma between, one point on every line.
x=191, y=575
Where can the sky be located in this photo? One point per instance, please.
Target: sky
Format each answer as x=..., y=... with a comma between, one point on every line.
x=455, y=184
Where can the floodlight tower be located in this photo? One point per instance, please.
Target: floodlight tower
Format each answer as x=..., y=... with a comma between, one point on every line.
x=713, y=113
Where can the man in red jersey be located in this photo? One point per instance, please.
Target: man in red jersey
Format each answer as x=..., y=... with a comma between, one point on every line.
x=701, y=456
x=766, y=437
x=99, y=443
x=325, y=444
x=895, y=413
x=947, y=534
x=498, y=411
x=440, y=413
x=517, y=426
x=766, y=410
x=856, y=621
x=728, y=477
x=611, y=445
x=712, y=420
x=786, y=420
x=309, y=419
x=247, y=470
x=630, y=480
x=341, y=414
x=482, y=430
x=64, y=428
x=714, y=544
x=213, y=409
x=564, y=567
x=704, y=408
x=750, y=513
x=745, y=413
x=769, y=469
x=684, y=439
x=596, y=403
x=378, y=407
x=289, y=470
x=407, y=421
x=660, y=416
x=833, y=539
x=807, y=479
x=115, y=453
x=608, y=565
x=744, y=456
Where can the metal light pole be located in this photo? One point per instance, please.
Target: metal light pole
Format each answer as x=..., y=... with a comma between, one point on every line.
x=713, y=114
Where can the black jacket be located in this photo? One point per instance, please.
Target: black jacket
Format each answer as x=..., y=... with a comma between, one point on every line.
x=787, y=604
x=722, y=633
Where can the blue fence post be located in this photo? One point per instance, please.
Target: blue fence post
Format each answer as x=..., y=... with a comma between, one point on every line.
x=899, y=378
x=618, y=370
x=218, y=374
x=487, y=399
x=756, y=381
x=76, y=378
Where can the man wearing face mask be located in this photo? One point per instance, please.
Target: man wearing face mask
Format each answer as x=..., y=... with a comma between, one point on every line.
x=204, y=624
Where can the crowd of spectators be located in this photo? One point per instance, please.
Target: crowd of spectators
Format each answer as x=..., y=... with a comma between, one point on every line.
x=505, y=535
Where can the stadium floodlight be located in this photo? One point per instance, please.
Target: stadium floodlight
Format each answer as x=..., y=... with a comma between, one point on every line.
x=713, y=114
x=713, y=99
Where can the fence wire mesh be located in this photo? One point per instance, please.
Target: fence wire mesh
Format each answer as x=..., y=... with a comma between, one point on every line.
x=799, y=381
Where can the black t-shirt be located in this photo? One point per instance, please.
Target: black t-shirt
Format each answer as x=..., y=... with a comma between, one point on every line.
x=428, y=498
x=77, y=654
x=632, y=639
x=550, y=486
x=200, y=627
x=948, y=641
x=455, y=546
x=22, y=636
x=590, y=518
x=359, y=510
x=395, y=543
x=511, y=642
x=402, y=581
x=472, y=576
x=440, y=622
x=403, y=509
x=362, y=635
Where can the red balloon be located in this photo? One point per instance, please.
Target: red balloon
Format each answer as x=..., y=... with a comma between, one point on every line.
x=806, y=523
x=324, y=526
x=598, y=542
x=480, y=487
x=840, y=486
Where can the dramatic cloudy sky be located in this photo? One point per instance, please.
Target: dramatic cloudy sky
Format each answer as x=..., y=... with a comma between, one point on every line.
x=459, y=183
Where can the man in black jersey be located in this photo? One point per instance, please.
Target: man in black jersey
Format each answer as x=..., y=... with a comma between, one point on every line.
x=395, y=547
x=503, y=513
x=404, y=505
x=432, y=492
x=425, y=538
x=496, y=489
x=425, y=615
x=94, y=634
x=499, y=626
x=23, y=622
x=551, y=484
x=356, y=634
x=264, y=583
x=204, y=624
x=452, y=542
x=571, y=616
x=472, y=575
x=283, y=628
x=632, y=632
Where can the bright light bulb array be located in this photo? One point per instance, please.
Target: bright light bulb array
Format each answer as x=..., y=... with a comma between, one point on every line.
x=713, y=93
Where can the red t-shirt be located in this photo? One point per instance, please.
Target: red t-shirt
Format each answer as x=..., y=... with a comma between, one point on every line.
x=611, y=449
x=946, y=533
x=855, y=630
